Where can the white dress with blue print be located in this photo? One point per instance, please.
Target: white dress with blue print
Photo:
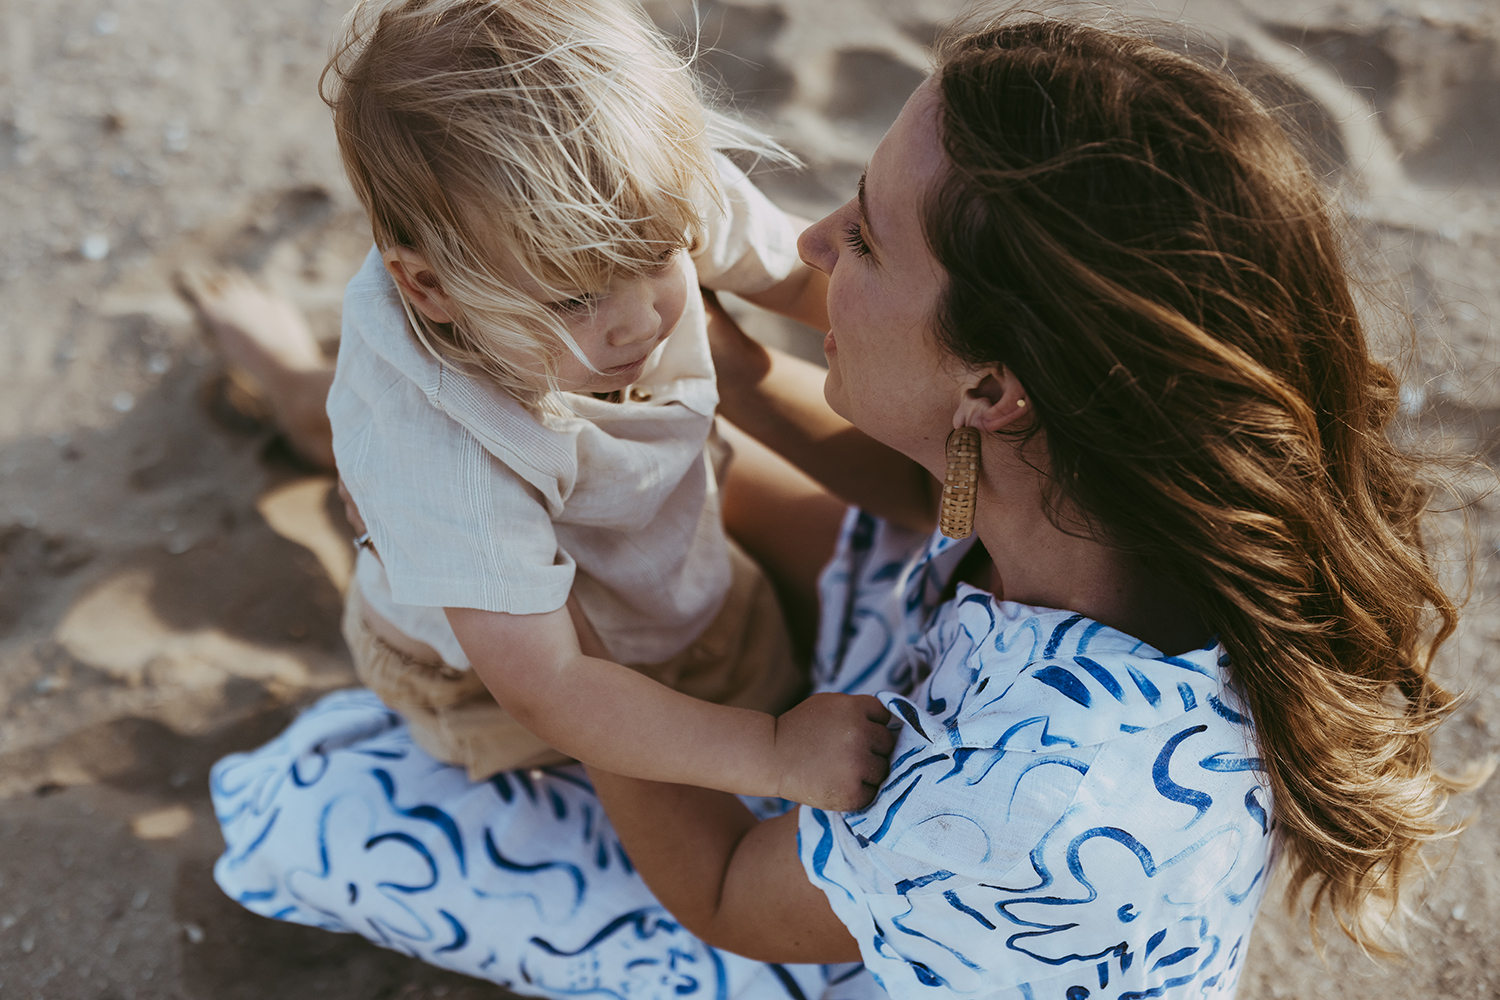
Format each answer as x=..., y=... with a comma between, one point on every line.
x=1069, y=814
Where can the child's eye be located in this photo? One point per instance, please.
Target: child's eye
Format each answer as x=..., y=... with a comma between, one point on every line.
x=854, y=239
x=574, y=304
x=662, y=260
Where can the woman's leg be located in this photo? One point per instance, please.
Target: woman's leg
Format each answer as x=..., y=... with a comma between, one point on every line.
x=343, y=823
x=787, y=522
x=266, y=337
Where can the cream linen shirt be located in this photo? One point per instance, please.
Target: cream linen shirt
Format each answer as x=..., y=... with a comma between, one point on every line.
x=475, y=501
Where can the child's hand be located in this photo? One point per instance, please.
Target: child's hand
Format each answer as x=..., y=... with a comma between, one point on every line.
x=832, y=751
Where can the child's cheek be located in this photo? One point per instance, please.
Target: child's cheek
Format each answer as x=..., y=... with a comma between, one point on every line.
x=674, y=296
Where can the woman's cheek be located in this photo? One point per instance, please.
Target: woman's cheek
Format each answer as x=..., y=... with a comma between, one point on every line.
x=839, y=317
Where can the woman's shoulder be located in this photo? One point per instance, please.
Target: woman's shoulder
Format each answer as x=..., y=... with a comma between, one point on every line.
x=1006, y=689
x=1054, y=775
x=989, y=664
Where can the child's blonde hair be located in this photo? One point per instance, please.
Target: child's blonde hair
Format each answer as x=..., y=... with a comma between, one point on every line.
x=563, y=131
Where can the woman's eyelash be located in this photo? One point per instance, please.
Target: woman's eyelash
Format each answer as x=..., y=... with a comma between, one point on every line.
x=854, y=239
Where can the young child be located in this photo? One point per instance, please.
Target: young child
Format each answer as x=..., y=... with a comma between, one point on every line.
x=523, y=407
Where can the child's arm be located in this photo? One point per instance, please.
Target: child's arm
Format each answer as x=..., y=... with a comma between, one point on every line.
x=778, y=400
x=830, y=751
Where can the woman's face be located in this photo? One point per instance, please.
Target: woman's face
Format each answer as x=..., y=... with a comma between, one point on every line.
x=886, y=373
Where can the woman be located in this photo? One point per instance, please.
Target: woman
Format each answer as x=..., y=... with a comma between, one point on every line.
x=1110, y=263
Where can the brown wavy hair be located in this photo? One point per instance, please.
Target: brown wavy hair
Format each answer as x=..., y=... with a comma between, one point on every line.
x=1138, y=240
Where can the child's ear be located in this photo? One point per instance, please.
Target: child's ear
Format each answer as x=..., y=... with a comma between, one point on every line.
x=419, y=284
x=992, y=398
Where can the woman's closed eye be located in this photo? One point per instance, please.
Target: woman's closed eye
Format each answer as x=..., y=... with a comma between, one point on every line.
x=854, y=239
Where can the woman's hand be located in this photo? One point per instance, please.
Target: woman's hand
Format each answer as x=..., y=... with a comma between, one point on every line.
x=778, y=400
x=740, y=361
x=351, y=514
x=832, y=751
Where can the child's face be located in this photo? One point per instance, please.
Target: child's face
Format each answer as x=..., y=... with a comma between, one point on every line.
x=618, y=330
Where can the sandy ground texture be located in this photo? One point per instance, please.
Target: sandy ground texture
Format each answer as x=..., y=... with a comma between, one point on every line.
x=170, y=576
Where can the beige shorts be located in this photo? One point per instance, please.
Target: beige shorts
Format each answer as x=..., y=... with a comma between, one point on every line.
x=744, y=658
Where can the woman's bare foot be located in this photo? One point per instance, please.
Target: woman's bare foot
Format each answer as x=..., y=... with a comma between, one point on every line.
x=270, y=351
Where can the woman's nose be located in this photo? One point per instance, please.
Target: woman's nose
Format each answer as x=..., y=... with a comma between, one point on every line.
x=816, y=246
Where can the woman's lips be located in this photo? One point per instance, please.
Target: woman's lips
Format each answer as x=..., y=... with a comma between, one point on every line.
x=829, y=344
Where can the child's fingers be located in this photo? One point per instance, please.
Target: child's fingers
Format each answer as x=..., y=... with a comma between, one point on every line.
x=875, y=710
x=876, y=769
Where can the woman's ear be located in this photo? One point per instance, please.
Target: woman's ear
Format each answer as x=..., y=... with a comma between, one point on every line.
x=992, y=399
x=419, y=284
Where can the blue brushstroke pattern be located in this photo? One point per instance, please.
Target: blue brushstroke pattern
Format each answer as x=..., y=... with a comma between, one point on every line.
x=1056, y=677
x=1169, y=789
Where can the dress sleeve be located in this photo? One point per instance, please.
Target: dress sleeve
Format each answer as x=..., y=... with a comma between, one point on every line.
x=907, y=875
x=454, y=526
x=748, y=244
x=1067, y=810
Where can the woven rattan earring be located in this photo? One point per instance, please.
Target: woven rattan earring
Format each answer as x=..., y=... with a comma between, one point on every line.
x=960, y=483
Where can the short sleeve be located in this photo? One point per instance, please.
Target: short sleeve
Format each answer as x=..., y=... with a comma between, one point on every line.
x=748, y=243
x=1068, y=809
x=904, y=875
x=454, y=526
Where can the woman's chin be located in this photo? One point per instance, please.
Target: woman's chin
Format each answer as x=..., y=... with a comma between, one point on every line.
x=833, y=394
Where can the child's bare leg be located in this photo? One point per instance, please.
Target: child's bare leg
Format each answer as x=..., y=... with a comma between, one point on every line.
x=266, y=337
x=787, y=522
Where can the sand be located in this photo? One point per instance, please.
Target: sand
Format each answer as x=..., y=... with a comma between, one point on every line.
x=170, y=575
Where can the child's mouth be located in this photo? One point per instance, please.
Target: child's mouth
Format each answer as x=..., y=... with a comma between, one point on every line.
x=624, y=369
x=635, y=366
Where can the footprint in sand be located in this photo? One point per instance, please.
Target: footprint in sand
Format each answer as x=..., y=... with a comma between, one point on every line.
x=1436, y=87
x=296, y=210
x=869, y=87
x=734, y=50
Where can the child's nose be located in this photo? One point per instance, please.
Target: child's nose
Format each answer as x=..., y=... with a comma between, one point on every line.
x=637, y=319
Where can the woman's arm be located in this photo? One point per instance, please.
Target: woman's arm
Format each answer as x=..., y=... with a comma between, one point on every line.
x=778, y=399
x=732, y=881
x=801, y=295
x=826, y=751
x=735, y=883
